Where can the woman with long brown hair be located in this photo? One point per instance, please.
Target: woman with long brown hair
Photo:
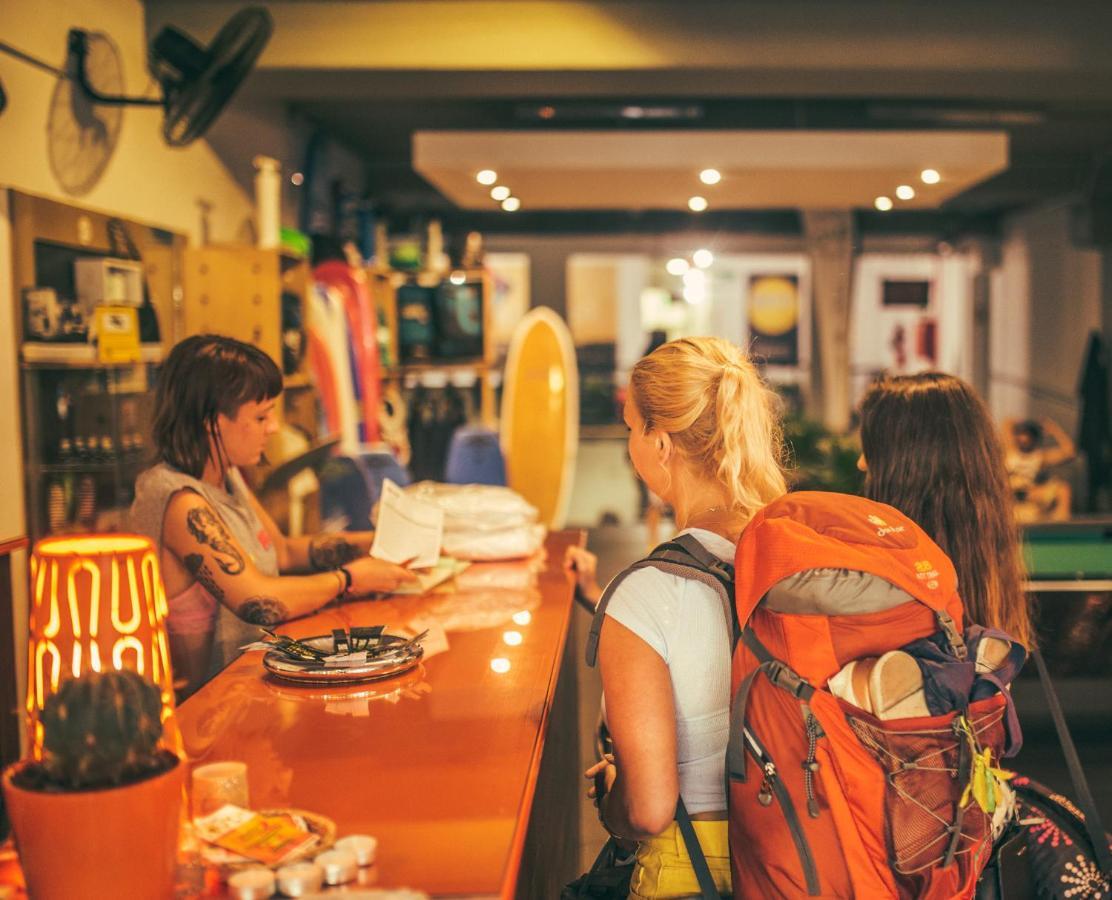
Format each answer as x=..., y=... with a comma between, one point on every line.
x=931, y=450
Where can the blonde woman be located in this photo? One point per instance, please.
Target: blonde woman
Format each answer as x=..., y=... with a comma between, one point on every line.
x=704, y=435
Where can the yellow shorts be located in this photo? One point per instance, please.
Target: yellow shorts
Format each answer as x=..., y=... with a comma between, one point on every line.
x=663, y=868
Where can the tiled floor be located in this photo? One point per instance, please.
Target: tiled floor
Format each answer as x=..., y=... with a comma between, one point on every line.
x=1041, y=758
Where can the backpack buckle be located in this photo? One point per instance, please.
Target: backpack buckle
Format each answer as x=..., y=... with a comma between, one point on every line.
x=787, y=679
x=953, y=636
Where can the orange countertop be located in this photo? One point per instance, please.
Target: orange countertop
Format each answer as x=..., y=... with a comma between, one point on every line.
x=439, y=764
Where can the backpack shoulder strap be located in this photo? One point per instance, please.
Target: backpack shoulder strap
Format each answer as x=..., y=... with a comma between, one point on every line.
x=684, y=557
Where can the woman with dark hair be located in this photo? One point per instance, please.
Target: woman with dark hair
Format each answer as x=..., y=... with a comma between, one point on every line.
x=222, y=556
x=930, y=449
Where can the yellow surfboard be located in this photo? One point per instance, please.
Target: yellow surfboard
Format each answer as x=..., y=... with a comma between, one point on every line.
x=540, y=414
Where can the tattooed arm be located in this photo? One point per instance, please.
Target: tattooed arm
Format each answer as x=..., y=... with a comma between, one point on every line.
x=318, y=553
x=197, y=537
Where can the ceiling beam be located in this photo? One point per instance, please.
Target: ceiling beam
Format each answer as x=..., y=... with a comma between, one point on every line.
x=997, y=48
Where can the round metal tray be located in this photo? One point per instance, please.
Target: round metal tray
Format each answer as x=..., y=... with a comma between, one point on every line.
x=385, y=666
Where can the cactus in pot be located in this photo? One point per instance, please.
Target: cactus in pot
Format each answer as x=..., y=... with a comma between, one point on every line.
x=102, y=730
x=105, y=798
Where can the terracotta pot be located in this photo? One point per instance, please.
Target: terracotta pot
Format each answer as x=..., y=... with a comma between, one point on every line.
x=98, y=845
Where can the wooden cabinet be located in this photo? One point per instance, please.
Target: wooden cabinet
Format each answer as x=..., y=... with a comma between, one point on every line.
x=406, y=362
x=235, y=291
x=86, y=425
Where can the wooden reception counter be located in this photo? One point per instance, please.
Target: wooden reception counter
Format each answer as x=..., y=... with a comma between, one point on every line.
x=464, y=769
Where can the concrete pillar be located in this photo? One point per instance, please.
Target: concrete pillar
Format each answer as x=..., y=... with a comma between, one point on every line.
x=984, y=254
x=830, y=242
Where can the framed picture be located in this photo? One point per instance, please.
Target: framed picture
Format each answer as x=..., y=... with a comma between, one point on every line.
x=906, y=293
x=773, y=314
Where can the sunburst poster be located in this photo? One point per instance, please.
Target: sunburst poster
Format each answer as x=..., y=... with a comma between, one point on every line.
x=773, y=318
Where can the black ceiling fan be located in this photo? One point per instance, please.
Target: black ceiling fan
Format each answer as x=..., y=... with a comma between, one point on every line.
x=197, y=82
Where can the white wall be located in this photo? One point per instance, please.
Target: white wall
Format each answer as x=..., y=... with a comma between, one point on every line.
x=872, y=324
x=145, y=180
x=1046, y=298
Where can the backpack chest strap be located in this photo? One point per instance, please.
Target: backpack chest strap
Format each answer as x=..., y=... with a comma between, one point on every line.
x=781, y=675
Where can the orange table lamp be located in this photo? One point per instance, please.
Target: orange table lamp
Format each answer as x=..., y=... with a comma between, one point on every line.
x=98, y=604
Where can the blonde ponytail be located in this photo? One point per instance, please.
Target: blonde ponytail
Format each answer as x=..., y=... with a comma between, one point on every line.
x=709, y=397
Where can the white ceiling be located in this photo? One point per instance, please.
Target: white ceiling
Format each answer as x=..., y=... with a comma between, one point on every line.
x=594, y=170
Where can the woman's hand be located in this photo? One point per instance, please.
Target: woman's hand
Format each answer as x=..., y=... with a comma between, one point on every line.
x=602, y=775
x=585, y=565
x=375, y=576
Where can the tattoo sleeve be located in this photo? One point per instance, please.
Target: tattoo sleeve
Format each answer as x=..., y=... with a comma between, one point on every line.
x=207, y=529
x=195, y=565
x=330, y=551
x=263, y=611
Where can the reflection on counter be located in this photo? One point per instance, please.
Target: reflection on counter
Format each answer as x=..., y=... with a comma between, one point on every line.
x=355, y=700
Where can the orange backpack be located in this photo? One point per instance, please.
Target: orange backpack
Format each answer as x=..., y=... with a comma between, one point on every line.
x=824, y=799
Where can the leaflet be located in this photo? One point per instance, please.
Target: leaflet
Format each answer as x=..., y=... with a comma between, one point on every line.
x=408, y=531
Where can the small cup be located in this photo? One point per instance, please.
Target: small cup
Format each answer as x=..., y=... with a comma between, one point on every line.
x=362, y=846
x=251, y=884
x=217, y=784
x=339, y=866
x=300, y=879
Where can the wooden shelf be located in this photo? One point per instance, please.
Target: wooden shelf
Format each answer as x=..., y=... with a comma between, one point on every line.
x=92, y=467
x=80, y=355
x=433, y=365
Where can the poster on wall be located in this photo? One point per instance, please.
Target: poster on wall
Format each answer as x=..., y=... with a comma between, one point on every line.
x=773, y=318
x=906, y=293
x=509, y=288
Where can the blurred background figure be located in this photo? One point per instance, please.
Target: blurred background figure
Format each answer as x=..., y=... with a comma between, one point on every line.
x=1029, y=460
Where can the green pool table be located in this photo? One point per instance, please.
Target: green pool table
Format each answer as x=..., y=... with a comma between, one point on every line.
x=1069, y=556
x=1069, y=580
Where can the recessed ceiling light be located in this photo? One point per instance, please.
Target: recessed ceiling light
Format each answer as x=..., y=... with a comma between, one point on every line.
x=297, y=179
x=677, y=265
x=499, y=192
x=930, y=176
x=487, y=176
x=697, y=204
x=703, y=258
x=511, y=204
x=710, y=176
x=883, y=203
x=696, y=292
x=905, y=192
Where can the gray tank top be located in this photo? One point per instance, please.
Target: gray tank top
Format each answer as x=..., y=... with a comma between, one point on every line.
x=153, y=491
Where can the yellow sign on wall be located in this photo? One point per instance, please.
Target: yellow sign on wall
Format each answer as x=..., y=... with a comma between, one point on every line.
x=117, y=330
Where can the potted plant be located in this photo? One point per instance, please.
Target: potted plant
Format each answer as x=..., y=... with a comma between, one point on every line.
x=99, y=816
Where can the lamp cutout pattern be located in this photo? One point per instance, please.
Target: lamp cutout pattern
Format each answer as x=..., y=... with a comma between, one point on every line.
x=98, y=604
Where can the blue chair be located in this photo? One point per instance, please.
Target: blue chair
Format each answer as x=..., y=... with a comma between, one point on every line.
x=344, y=494
x=350, y=486
x=475, y=457
x=378, y=465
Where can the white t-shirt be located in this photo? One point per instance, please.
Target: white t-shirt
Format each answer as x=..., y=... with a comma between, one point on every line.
x=685, y=622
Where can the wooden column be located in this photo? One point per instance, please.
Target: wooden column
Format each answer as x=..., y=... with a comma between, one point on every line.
x=830, y=241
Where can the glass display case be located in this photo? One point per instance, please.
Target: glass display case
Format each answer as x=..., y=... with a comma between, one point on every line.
x=86, y=440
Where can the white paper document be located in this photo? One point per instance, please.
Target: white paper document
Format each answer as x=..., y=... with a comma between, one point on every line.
x=408, y=530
